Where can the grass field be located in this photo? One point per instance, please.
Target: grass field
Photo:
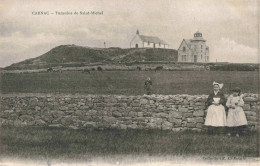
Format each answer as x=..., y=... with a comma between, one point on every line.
x=68, y=143
x=127, y=82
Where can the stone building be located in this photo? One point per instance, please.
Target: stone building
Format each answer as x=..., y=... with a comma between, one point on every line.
x=193, y=50
x=141, y=41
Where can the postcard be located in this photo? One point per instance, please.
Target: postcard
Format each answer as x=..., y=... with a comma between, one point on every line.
x=129, y=82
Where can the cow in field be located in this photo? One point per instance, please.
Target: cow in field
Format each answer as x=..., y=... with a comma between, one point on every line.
x=158, y=68
x=86, y=71
x=99, y=69
x=50, y=69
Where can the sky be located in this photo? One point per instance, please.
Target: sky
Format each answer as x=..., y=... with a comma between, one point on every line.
x=230, y=27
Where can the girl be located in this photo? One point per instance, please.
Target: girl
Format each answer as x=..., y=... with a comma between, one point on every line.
x=216, y=115
x=148, y=86
x=236, y=118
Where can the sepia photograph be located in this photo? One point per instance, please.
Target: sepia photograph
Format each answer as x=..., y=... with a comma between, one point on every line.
x=129, y=82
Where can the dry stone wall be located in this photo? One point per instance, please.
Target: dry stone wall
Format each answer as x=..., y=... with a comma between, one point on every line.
x=166, y=112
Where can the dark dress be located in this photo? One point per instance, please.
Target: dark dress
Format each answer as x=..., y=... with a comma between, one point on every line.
x=148, y=86
x=212, y=95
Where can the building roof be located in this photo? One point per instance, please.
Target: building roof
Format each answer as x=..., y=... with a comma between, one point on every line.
x=198, y=38
x=188, y=42
x=152, y=39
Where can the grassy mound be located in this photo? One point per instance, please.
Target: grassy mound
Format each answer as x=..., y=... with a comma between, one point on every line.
x=76, y=56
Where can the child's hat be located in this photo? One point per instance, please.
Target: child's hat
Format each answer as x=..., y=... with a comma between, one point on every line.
x=236, y=89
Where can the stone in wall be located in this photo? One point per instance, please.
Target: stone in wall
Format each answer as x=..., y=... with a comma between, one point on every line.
x=175, y=114
x=198, y=113
x=167, y=125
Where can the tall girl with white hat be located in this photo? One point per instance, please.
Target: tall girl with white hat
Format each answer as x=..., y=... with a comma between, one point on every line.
x=215, y=105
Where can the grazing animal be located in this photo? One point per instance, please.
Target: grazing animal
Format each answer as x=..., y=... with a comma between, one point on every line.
x=86, y=71
x=50, y=69
x=158, y=68
x=99, y=69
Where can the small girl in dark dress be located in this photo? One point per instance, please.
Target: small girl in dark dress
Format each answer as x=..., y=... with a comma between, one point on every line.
x=215, y=105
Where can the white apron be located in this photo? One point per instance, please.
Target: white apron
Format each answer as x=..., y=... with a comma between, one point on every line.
x=216, y=116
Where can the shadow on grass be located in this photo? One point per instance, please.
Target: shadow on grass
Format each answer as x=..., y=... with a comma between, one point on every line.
x=61, y=142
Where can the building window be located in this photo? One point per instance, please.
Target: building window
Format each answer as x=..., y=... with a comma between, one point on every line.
x=183, y=58
x=184, y=49
x=195, y=58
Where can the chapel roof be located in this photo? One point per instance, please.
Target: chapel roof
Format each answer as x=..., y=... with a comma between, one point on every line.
x=152, y=39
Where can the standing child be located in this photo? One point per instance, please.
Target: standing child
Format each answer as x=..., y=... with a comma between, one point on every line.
x=148, y=86
x=215, y=105
x=236, y=118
